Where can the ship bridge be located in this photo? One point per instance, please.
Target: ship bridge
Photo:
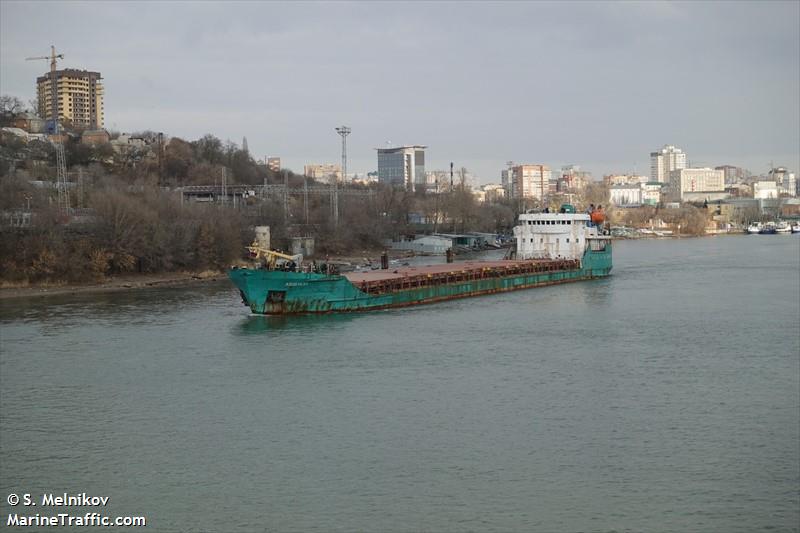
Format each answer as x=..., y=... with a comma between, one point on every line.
x=564, y=235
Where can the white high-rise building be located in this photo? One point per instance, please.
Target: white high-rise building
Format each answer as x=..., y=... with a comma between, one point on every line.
x=662, y=163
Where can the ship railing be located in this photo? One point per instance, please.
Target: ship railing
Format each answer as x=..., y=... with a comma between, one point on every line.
x=404, y=283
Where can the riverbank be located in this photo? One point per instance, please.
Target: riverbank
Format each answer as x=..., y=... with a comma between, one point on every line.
x=149, y=281
x=116, y=284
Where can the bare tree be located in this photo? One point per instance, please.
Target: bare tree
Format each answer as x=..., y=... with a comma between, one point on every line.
x=11, y=105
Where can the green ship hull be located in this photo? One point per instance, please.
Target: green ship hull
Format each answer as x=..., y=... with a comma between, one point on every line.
x=275, y=292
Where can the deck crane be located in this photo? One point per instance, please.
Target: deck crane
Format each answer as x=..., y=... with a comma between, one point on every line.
x=61, y=161
x=270, y=258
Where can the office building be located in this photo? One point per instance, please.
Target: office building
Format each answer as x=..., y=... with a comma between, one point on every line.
x=685, y=182
x=402, y=167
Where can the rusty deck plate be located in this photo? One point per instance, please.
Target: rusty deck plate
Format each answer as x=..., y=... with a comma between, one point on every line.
x=410, y=271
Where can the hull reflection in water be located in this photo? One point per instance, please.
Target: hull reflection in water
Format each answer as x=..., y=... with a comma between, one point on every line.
x=257, y=324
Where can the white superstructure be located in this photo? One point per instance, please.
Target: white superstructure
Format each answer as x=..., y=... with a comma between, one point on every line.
x=553, y=235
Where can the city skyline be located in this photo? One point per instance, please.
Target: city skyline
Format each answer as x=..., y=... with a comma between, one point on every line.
x=601, y=85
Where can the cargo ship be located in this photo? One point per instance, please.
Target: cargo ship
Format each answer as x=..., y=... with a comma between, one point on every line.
x=550, y=248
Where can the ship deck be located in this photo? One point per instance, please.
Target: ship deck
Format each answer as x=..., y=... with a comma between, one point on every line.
x=460, y=267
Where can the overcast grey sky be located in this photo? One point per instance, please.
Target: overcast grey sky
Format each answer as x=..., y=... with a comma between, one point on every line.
x=596, y=84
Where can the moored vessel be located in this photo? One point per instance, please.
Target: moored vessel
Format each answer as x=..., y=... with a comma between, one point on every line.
x=550, y=248
x=754, y=228
x=769, y=228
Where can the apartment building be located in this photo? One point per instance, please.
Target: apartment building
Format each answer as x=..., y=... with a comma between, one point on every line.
x=530, y=181
x=663, y=162
x=79, y=97
x=324, y=172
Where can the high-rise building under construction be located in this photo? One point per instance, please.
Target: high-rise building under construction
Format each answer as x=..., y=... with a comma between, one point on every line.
x=79, y=94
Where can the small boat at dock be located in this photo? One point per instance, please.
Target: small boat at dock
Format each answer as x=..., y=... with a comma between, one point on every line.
x=754, y=228
x=770, y=228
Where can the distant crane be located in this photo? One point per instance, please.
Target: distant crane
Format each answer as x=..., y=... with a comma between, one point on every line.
x=53, y=84
x=61, y=160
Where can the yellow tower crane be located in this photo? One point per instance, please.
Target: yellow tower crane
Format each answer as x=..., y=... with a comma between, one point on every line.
x=61, y=161
x=53, y=83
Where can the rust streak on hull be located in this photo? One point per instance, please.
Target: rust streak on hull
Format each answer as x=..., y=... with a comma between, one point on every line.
x=435, y=299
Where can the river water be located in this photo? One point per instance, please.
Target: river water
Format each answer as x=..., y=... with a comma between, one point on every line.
x=664, y=398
